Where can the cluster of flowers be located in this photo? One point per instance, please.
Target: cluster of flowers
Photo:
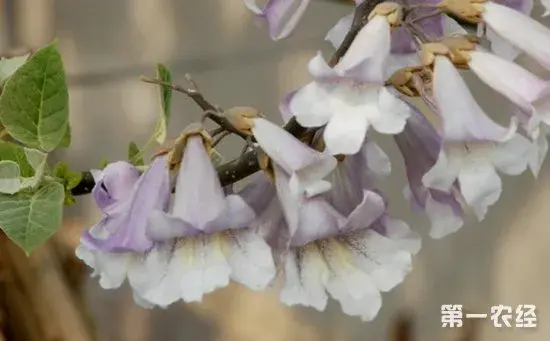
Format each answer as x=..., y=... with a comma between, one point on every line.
x=314, y=212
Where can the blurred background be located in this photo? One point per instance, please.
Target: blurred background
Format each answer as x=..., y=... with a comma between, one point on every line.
x=106, y=46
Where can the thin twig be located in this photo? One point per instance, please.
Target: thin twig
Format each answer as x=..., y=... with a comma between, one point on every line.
x=219, y=138
x=247, y=164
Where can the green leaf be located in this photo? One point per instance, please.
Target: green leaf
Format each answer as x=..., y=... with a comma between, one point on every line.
x=73, y=179
x=37, y=160
x=164, y=75
x=30, y=219
x=9, y=65
x=34, y=101
x=66, y=140
x=9, y=177
x=103, y=163
x=69, y=177
x=13, y=152
x=134, y=155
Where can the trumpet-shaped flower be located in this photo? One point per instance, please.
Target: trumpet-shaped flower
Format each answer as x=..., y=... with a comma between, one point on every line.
x=351, y=97
x=351, y=258
x=530, y=93
x=206, y=239
x=474, y=146
x=514, y=26
x=307, y=166
x=281, y=16
x=420, y=145
x=113, y=246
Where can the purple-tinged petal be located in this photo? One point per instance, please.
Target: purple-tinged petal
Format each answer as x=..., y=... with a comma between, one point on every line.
x=366, y=213
x=258, y=193
x=515, y=26
x=399, y=61
x=529, y=92
x=251, y=259
x=463, y=118
x=317, y=220
x=394, y=113
x=480, y=185
x=420, y=146
x=284, y=106
x=114, y=183
x=369, y=51
x=306, y=166
x=282, y=16
x=336, y=34
x=310, y=105
x=199, y=198
x=127, y=225
x=445, y=214
x=306, y=275
x=346, y=131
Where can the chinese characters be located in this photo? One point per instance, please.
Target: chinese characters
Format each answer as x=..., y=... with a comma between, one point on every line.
x=502, y=316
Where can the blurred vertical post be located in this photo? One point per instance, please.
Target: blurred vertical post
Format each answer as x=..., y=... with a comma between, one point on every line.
x=33, y=22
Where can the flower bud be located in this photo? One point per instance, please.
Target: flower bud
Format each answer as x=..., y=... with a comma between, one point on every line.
x=242, y=118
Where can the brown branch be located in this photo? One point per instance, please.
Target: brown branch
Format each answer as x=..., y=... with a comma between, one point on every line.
x=247, y=164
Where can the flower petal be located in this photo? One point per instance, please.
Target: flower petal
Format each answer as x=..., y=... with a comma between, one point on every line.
x=309, y=105
x=444, y=172
x=367, y=212
x=463, y=118
x=316, y=220
x=127, y=226
x=203, y=264
x=199, y=197
x=378, y=161
x=393, y=114
x=515, y=26
x=114, y=183
x=539, y=150
x=480, y=184
x=250, y=259
x=336, y=34
x=306, y=166
x=371, y=45
x=512, y=157
x=353, y=288
x=443, y=218
x=509, y=79
x=305, y=276
x=283, y=16
x=346, y=131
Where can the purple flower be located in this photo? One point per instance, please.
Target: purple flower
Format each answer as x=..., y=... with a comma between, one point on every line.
x=112, y=246
x=306, y=166
x=281, y=16
x=126, y=216
x=356, y=173
x=206, y=239
x=351, y=97
x=513, y=26
x=474, y=146
x=420, y=145
x=527, y=91
x=351, y=258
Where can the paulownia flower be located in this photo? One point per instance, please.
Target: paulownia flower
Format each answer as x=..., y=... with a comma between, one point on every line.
x=474, y=146
x=281, y=16
x=307, y=167
x=206, y=239
x=351, y=97
x=114, y=245
x=527, y=91
x=420, y=145
x=351, y=258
